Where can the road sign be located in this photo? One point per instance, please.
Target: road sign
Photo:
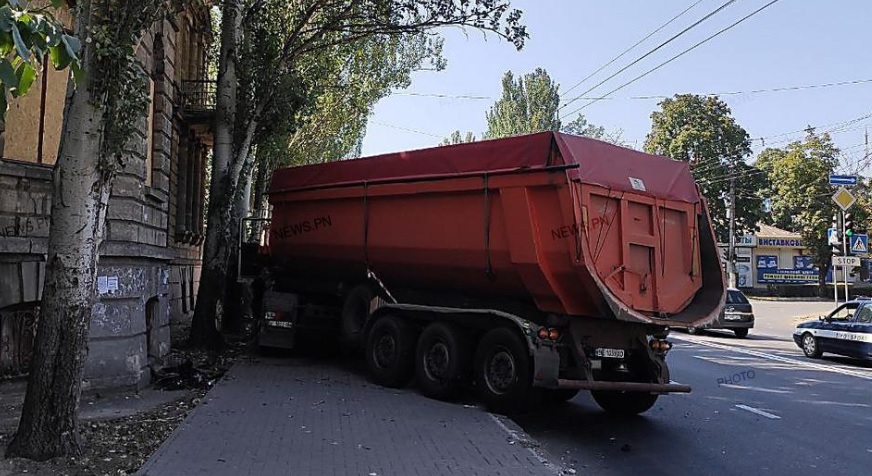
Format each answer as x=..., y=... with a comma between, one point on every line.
x=833, y=236
x=843, y=179
x=846, y=261
x=860, y=244
x=843, y=198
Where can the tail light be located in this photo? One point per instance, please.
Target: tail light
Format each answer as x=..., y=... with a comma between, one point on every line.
x=660, y=345
x=549, y=334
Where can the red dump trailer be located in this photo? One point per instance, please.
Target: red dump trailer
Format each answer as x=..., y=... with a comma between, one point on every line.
x=530, y=266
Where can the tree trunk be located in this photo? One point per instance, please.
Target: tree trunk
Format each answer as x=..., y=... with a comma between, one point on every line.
x=213, y=279
x=48, y=426
x=235, y=302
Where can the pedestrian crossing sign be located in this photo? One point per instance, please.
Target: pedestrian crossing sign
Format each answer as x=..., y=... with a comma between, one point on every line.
x=860, y=244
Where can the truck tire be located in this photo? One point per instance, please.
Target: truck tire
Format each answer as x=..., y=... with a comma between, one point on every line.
x=624, y=403
x=442, y=360
x=503, y=374
x=355, y=313
x=390, y=351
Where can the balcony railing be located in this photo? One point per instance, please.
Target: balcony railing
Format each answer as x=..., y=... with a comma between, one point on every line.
x=198, y=97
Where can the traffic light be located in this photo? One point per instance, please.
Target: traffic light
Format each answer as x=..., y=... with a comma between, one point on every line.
x=849, y=224
x=836, y=249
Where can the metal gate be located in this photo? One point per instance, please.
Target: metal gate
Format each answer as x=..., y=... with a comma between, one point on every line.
x=17, y=337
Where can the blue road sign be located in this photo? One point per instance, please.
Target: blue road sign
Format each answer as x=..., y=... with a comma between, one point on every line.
x=833, y=236
x=859, y=244
x=843, y=179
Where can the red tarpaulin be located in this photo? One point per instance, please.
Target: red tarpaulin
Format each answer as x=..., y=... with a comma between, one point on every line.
x=600, y=163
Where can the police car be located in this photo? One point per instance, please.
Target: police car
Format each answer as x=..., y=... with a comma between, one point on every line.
x=845, y=331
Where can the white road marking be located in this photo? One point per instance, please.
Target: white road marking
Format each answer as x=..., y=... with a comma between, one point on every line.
x=766, y=355
x=758, y=412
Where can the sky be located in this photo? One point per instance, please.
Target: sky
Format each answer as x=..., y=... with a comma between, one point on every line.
x=790, y=43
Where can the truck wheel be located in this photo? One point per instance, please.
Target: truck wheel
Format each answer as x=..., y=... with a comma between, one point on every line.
x=355, y=312
x=503, y=376
x=390, y=350
x=624, y=403
x=442, y=360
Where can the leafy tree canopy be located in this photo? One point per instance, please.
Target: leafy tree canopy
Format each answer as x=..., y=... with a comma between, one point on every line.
x=531, y=103
x=528, y=104
x=702, y=131
x=458, y=138
x=27, y=34
x=800, y=191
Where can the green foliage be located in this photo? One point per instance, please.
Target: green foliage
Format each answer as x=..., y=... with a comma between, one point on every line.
x=319, y=110
x=119, y=85
x=581, y=127
x=528, y=104
x=701, y=130
x=27, y=35
x=531, y=104
x=311, y=75
x=800, y=189
x=458, y=138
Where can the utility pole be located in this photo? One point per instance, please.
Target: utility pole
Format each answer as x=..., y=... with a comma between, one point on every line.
x=845, y=239
x=731, y=253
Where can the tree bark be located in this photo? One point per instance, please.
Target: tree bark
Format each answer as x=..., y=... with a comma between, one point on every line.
x=235, y=301
x=213, y=278
x=48, y=426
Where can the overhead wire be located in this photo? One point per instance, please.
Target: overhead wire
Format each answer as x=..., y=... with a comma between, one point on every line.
x=679, y=55
x=650, y=52
x=406, y=129
x=623, y=53
x=658, y=96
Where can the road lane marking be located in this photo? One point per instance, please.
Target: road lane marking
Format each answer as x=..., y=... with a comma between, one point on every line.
x=766, y=355
x=758, y=412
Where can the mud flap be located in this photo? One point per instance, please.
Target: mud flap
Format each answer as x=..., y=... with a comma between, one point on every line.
x=546, y=366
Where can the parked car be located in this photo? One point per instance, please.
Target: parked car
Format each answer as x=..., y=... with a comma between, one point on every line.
x=847, y=331
x=737, y=315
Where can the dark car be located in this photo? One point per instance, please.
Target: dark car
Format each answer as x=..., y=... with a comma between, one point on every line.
x=737, y=315
x=845, y=331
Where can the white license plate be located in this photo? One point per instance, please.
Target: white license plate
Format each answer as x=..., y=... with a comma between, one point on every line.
x=609, y=353
x=285, y=324
x=732, y=317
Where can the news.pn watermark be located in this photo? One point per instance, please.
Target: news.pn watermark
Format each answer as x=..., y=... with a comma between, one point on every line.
x=737, y=378
x=25, y=227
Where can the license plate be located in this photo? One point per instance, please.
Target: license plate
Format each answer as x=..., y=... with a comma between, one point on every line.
x=284, y=324
x=609, y=353
x=732, y=317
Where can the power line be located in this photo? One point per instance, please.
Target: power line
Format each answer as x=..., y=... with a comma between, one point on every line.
x=824, y=128
x=649, y=53
x=649, y=35
x=646, y=73
x=659, y=96
x=406, y=129
x=446, y=96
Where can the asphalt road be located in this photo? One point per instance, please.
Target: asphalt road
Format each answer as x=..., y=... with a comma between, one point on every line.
x=758, y=407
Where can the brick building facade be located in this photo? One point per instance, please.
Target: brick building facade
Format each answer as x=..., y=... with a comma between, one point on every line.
x=149, y=263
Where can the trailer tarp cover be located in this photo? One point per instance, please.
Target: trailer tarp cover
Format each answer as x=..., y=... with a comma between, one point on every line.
x=600, y=163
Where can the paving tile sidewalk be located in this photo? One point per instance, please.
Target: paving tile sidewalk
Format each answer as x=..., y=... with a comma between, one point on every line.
x=305, y=417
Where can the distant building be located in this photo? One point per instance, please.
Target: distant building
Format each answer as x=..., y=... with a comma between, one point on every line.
x=150, y=260
x=772, y=256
